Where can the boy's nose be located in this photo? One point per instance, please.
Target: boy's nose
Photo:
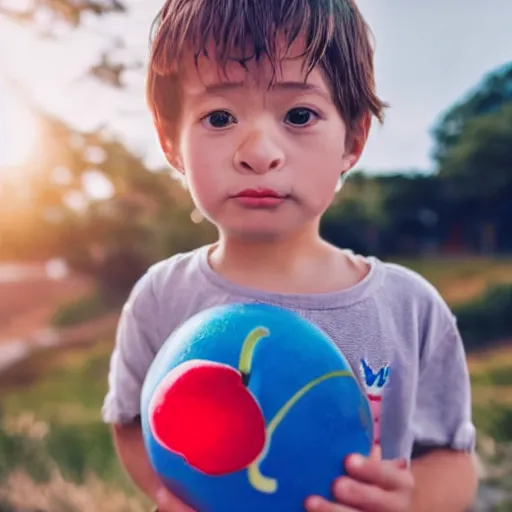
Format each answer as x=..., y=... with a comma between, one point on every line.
x=259, y=154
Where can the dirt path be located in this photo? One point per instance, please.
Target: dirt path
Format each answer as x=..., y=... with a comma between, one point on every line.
x=29, y=296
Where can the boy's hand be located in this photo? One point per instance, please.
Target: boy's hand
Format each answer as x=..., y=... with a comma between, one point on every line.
x=372, y=485
x=167, y=502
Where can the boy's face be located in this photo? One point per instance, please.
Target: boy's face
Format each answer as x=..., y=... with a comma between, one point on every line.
x=261, y=162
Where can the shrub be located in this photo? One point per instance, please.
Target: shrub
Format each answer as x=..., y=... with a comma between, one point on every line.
x=495, y=420
x=487, y=318
x=84, y=308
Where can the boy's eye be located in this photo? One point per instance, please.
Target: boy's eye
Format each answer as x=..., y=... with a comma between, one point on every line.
x=300, y=116
x=219, y=119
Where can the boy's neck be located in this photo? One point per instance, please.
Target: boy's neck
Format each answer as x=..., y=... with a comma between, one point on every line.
x=303, y=263
x=275, y=255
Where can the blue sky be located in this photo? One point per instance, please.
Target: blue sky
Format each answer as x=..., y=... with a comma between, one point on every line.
x=429, y=53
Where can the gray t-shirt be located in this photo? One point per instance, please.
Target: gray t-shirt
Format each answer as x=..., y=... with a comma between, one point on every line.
x=393, y=327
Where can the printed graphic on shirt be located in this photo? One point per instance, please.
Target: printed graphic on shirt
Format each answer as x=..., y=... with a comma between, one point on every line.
x=375, y=381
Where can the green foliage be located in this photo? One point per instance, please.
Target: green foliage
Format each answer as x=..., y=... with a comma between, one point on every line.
x=489, y=96
x=495, y=420
x=79, y=449
x=19, y=451
x=113, y=239
x=479, y=165
x=81, y=310
x=55, y=419
x=59, y=385
x=499, y=377
x=76, y=450
x=486, y=318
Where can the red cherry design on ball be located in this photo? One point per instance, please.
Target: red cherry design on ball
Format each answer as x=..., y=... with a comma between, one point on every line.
x=203, y=411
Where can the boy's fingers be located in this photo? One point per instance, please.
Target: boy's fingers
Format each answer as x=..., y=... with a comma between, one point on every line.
x=167, y=502
x=384, y=474
x=400, y=463
x=318, y=504
x=365, y=496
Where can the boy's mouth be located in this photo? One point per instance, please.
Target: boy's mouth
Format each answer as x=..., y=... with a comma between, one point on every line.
x=259, y=192
x=259, y=198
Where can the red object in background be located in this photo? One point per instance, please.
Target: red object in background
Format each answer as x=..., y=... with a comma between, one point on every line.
x=203, y=411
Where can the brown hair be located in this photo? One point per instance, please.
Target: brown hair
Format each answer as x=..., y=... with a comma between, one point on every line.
x=337, y=39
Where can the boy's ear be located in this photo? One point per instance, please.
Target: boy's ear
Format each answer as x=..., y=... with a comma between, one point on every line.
x=169, y=147
x=356, y=142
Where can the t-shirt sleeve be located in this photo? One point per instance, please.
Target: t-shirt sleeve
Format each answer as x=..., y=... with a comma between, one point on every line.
x=442, y=416
x=136, y=338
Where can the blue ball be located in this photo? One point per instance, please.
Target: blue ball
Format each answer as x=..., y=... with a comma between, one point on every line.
x=251, y=407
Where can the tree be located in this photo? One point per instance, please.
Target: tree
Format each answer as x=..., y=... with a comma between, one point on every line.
x=479, y=164
x=67, y=11
x=46, y=17
x=141, y=217
x=477, y=178
x=474, y=159
x=49, y=210
x=489, y=96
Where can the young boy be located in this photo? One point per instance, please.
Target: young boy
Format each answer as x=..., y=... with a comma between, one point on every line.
x=264, y=106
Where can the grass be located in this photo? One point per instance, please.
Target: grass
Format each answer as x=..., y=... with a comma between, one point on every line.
x=70, y=381
x=491, y=382
x=21, y=492
x=51, y=433
x=462, y=279
x=82, y=309
x=486, y=318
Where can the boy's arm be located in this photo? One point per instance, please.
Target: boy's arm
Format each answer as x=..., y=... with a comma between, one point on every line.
x=137, y=341
x=443, y=462
x=133, y=457
x=442, y=476
x=445, y=480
